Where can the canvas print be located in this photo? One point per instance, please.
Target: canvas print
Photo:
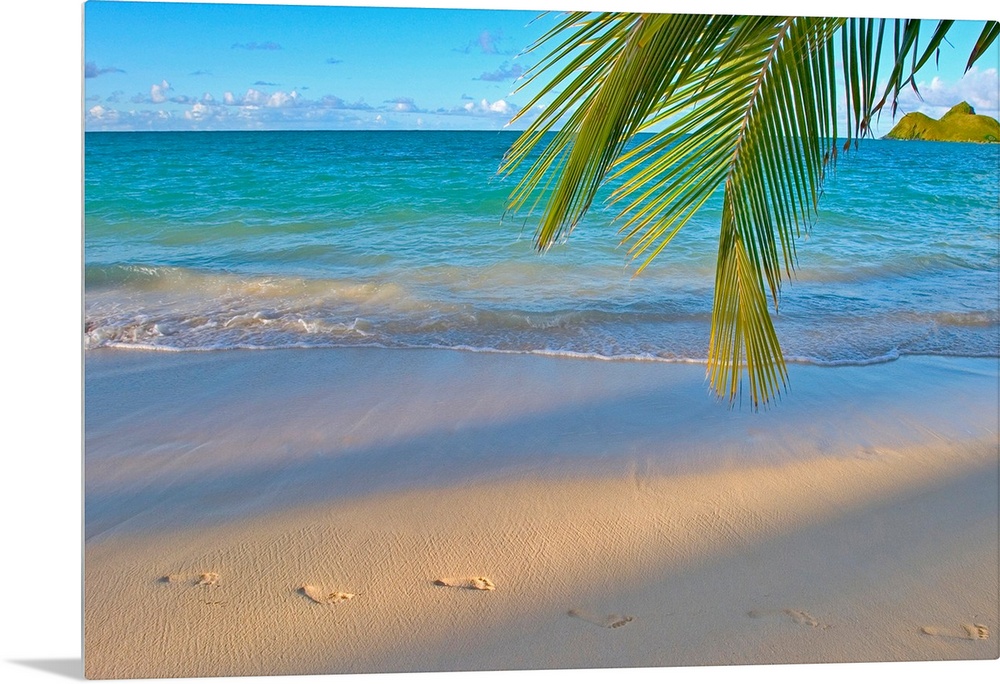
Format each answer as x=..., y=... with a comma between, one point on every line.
x=480, y=339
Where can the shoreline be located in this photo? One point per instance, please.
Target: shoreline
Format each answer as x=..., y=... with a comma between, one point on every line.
x=891, y=357
x=625, y=518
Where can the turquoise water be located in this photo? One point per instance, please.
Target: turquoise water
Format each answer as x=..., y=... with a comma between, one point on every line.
x=230, y=240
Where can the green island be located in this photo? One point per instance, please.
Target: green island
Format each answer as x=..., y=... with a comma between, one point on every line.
x=959, y=124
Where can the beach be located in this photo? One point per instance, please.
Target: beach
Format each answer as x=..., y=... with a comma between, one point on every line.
x=342, y=417
x=385, y=510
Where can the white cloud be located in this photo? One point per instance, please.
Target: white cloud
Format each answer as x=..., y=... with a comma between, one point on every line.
x=197, y=112
x=978, y=88
x=282, y=99
x=162, y=109
x=254, y=97
x=157, y=92
x=402, y=104
x=485, y=107
x=499, y=107
x=100, y=118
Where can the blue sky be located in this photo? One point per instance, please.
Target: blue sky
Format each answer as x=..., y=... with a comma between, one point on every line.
x=179, y=66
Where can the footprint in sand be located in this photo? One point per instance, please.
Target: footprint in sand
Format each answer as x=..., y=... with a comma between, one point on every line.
x=324, y=597
x=968, y=633
x=799, y=617
x=613, y=621
x=203, y=579
x=480, y=583
x=195, y=580
x=208, y=579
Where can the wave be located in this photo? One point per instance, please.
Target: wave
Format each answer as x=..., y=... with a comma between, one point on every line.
x=173, y=308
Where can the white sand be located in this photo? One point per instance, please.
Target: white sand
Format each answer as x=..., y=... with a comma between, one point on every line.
x=374, y=510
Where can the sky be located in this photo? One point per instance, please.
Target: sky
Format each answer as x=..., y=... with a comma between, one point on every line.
x=183, y=66
x=180, y=66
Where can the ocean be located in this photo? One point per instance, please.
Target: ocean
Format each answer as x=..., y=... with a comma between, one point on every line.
x=258, y=240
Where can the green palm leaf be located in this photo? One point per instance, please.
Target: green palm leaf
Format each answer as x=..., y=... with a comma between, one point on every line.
x=747, y=107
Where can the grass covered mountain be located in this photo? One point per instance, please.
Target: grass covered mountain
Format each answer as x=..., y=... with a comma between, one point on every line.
x=960, y=124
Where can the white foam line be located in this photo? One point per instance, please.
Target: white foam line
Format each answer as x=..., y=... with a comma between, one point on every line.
x=799, y=360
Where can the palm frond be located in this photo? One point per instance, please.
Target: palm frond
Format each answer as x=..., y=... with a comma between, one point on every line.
x=989, y=35
x=746, y=106
x=626, y=64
